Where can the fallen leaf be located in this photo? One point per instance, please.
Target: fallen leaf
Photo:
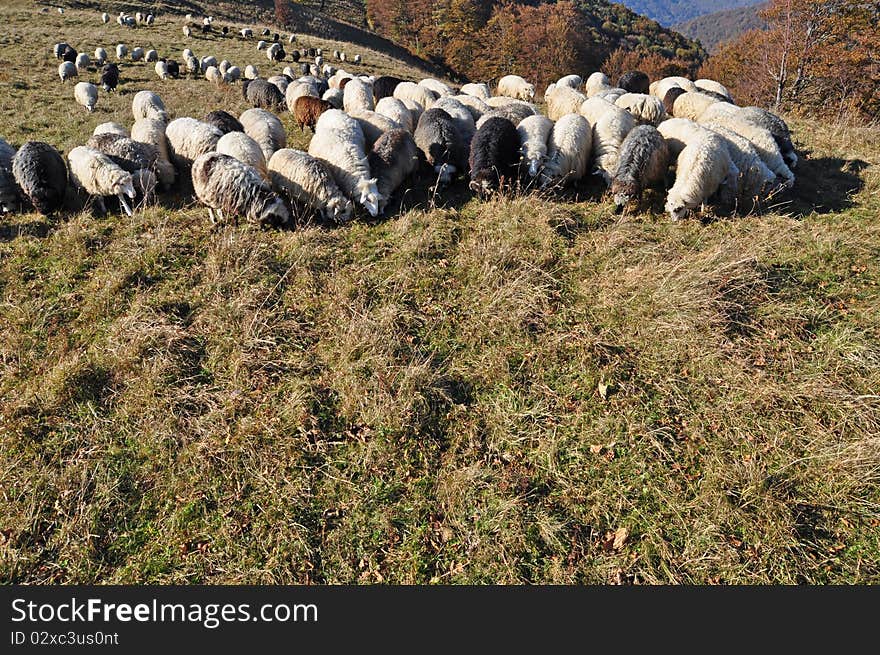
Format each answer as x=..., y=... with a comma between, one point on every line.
x=596, y=448
x=603, y=390
x=620, y=537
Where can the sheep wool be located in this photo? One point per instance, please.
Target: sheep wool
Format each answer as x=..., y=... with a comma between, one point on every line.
x=152, y=132
x=66, y=70
x=110, y=128
x=41, y=174
x=440, y=143
x=692, y=105
x=514, y=86
x=395, y=110
x=82, y=61
x=477, y=90
x=9, y=196
x=161, y=69
x=703, y=167
x=534, y=132
x=307, y=179
x=264, y=128
x=234, y=189
x=562, y=100
x=608, y=135
x=411, y=91
x=245, y=150
x=97, y=175
x=86, y=94
x=339, y=141
x=357, y=95
x=646, y=109
x=297, y=90
x=594, y=108
x=644, y=159
x=494, y=156
x=438, y=87
x=756, y=181
x=775, y=125
x=514, y=112
x=634, y=82
x=764, y=143
x=568, y=151
x=460, y=115
x=571, y=81
x=474, y=105
x=595, y=83
x=142, y=160
x=223, y=121
x=383, y=87
x=147, y=104
x=394, y=157
x=100, y=56
x=373, y=125
x=188, y=138
x=678, y=132
x=334, y=97
x=716, y=87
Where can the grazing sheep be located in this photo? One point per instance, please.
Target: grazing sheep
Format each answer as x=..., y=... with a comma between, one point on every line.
x=69, y=54
x=596, y=83
x=188, y=138
x=66, y=70
x=514, y=86
x=646, y=109
x=394, y=158
x=439, y=140
x=702, y=169
x=206, y=62
x=10, y=200
x=497, y=102
x=373, y=125
x=147, y=104
x=297, y=90
x=687, y=105
x=396, y=111
x=644, y=159
x=420, y=94
x=534, y=131
x=438, y=87
x=514, y=112
x=105, y=18
x=41, y=175
x=110, y=128
x=659, y=88
x=634, y=82
x=223, y=121
x=230, y=187
x=594, y=108
x=562, y=100
x=357, y=95
x=137, y=54
x=763, y=142
x=86, y=94
x=307, y=110
x=161, y=69
x=461, y=116
x=477, y=90
x=715, y=87
x=571, y=81
x=415, y=110
x=280, y=81
x=100, y=57
x=251, y=72
x=58, y=49
x=678, y=132
x=244, y=149
x=134, y=156
x=187, y=31
x=110, y=77
x=264, y=128
x=82, y=61
x=611, y=95
x=302, y=178
x=151, y=56
x=96, y=174
x=775, y=125
x=264, y=95
x=756, y=182
x=339, y=142
x=494, y=156
x=357, y=59
x=152, y=132
x=121, y=51
x=334, y=97
x=173, y=68
x=246, y=33
x=384, y=86
x=608, y=135
x=568, y=151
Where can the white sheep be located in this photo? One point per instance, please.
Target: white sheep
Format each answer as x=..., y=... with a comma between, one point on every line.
x=66, y=70
x=357, y=59
x=244, y=149
x=147, y=104
x=692, y=105
x=396, y=111
x=756, y=180
x=394, y=158
x=712, y=85
x=213, y=74
x=296, y=90
x=703, y=169
x=206, y=62
x=97, y=175
x=82, y=61
x=411, y=91
x=246, y=33
x=608, y=135
x=151, y=56
x=534, y=131
x=373, y=125
x=334, y=97
x=339, y=141
x=461, y=116
x=86, y=94
x=264, y=128
x=105, y=18
x=230, y=187
x=121, y=51
x=568, y=151
x=763, y=142
x=415, y=110
x=596, y=83
x=438, y=87
x=572, y=81
x=646, y=109
x=497, y=102
x=110, y=128
x=478, y=90
x=251, y=72
x=152, y=132
x=659, y=88
x=678, y=132
x=357, y=95
x=137, y=54
x=187, y=31
x=594, y=108
x=100, y=56
x=476, y=106
x=306, y=179
x=514, y=86
x=188, y=138
x=562, y=100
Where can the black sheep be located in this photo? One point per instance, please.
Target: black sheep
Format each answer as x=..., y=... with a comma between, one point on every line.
x=634, y=82
x=670, y=98
x=206, y=29
x=276, y=37
x=279, y=54
x=264, y=95
x=225, y=30
x=441, y=144
x=224, y=121
x=173, y=68
x=294, y=56
x=384, y=86
x=41, y=174
x=10, y=198
x=69, y=54
x=266, y=32
x=494, y=155
x=58, y=50
x=110, y=77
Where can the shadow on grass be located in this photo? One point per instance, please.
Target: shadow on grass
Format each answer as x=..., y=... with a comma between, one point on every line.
x=12, y=231
x=824, y=185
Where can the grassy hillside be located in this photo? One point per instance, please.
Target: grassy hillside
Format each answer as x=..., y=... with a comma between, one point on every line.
x=713, y=29
x=670, y=12
x=530, y=389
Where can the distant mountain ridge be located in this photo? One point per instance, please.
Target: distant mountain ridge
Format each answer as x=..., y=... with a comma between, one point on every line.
x=672, y=12
x=714, y=29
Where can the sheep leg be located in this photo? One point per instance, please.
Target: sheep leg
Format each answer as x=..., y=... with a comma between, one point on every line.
x=124, y=204
x=211, y=216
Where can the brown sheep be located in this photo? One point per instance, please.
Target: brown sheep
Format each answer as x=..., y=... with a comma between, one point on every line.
x=344, y=81
x=307, y=110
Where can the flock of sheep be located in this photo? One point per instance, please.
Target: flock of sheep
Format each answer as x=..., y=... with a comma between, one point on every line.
x=372, y=134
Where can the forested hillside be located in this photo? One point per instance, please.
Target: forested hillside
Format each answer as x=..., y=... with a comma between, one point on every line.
x=671, y=12
x=714, y=29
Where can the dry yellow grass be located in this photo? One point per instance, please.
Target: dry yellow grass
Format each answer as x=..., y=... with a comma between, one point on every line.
x=525, y=390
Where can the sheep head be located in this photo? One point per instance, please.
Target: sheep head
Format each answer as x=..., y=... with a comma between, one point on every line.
x=624, y=191
x=339, y=210
x=369, y=195
x=275, y=212
x=676, y=208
